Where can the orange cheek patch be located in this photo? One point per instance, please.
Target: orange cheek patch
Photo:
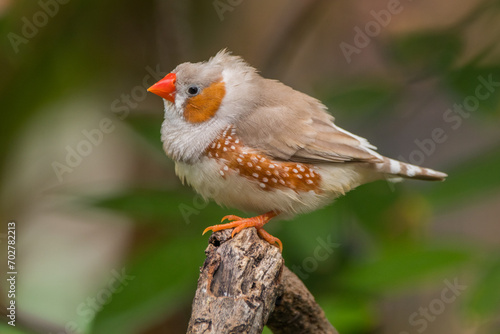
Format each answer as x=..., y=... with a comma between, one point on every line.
x=202, y=107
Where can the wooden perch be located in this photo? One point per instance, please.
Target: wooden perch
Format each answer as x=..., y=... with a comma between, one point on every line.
x=244, y=285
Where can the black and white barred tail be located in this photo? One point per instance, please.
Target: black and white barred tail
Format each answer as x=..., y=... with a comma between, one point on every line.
x=402, y=169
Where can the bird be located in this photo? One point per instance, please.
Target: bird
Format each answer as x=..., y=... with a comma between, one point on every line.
x=257, y=145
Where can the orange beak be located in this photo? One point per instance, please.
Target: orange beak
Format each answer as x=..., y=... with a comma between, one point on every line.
x=165, y=87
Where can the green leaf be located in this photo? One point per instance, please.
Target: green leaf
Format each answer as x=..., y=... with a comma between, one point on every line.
x=485, y=299
x=466, y=81
x=266, y=330
x=476, y=178
x=371, y=204
x=349, y=314
x=427, y=50
x=398, y=266
x=7, y=329
x=365, y=95
x=164, y=276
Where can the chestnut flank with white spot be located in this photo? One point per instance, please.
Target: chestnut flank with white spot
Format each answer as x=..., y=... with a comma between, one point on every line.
x=232, y=155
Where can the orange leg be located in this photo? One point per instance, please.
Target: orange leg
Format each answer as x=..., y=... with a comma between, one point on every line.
x=239, y=224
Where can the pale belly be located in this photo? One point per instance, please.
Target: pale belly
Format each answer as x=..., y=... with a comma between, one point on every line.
x=213, y=180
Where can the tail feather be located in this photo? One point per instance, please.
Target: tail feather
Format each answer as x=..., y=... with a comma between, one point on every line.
x=402, y=169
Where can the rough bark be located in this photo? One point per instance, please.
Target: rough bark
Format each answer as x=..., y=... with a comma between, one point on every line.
x=244, y=285
x=296, y=311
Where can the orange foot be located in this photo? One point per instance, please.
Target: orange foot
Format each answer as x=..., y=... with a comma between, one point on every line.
x=240, y=223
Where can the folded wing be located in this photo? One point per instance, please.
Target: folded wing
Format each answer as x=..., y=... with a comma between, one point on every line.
x=289, y=125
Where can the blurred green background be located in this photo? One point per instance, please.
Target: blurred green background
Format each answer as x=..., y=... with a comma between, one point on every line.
x=109, y=241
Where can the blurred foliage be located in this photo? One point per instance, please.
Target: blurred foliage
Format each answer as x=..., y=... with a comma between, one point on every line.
x=359, y=96
x=479, y=176
x=381, y=230
x=426, y=52
x=155, y=293
x=485, y=299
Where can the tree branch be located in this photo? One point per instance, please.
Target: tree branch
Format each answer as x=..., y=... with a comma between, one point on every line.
x=244, y=285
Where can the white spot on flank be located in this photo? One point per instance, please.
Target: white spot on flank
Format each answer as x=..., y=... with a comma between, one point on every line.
x=229, y=137
x=241, y=156
x=295, y=171
x=224, y=149
x=226, y=142
x=226, y=168
x=299, y=176
x=286, y=169
x=213, y=145
x=221, y=173
x=239, y=160
x=282, y=182
x=307, y=175
x=263, y=160
x=274, y=180
x=265, y=179
x=249, y=164
x=309, y=181
x=262, y=185
x=237, y=141
x=232, y=147
x=218, y=145
x=268, y=172
x=217, y=155
x=255, y=175
x=258, y=167
x=271, y=166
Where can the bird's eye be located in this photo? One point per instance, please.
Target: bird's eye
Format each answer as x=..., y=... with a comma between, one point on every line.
x=193, y=90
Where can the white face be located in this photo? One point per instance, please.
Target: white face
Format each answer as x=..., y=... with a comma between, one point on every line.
x=208, y=98
x=194, y=121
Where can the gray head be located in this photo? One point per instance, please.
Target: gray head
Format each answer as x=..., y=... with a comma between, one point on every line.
x=201, y=100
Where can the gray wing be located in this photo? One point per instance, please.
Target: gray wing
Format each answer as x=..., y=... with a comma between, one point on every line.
x=289, y=125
